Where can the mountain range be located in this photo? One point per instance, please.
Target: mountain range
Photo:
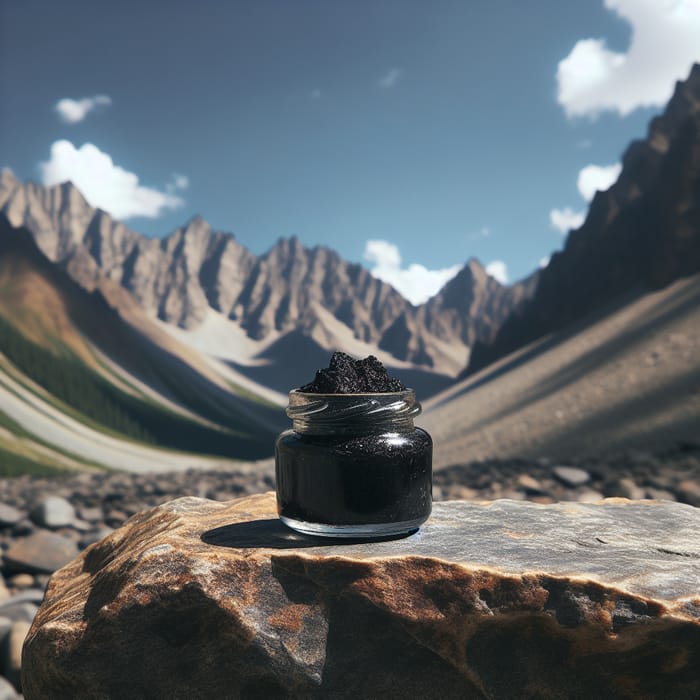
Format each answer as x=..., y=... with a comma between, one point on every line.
x=196, y=273
x=144, y=353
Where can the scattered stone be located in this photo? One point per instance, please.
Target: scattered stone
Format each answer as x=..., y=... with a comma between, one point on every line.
x=13, y=652
x=5, y=627
x=530, y=484
x=626, y=488
x=7, y=690
x=689, y=492
x=18, y=610
x=91, y=515
x=23, y=527
x=660, y=494
x=53, y=512
x=21, y=581
x=589, y=496
x=506, y=599
x=572, y=476
x=9, y=515
x=41, y=552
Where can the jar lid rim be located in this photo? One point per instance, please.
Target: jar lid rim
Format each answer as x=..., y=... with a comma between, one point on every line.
x=314, y=394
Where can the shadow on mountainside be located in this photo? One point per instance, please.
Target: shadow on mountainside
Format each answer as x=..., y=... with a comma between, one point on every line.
x=293, y=359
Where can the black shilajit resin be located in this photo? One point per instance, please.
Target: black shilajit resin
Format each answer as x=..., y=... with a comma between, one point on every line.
x=353, y=463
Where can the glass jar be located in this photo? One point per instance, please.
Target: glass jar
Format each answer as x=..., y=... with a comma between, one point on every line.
x=354, y=465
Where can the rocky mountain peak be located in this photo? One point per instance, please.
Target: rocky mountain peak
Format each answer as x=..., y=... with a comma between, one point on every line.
x=288, y=289
x=641, y=234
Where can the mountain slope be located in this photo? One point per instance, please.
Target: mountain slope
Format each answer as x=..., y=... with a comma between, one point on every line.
x=641, y=234
x=627, y=376
x=69, y=347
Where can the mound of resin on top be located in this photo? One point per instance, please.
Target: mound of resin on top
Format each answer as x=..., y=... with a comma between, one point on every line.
x=344, y=375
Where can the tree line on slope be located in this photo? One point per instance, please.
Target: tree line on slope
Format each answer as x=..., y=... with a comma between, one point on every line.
x=68, y=379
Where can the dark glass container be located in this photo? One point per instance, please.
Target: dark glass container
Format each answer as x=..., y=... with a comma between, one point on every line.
x=354, y=465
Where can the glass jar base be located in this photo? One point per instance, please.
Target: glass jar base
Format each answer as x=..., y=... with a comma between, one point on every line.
x=370, y=530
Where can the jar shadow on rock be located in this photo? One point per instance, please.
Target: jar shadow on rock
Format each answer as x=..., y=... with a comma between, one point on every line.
x=354, y=465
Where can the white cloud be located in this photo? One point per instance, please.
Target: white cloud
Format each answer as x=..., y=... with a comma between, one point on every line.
x=484, y=232
x=597, y=177
x=104, y=184
x=74, y=111
x=390, y=78
x=665, y=43
x=564, y=220
x=415, y=282
x=544, y=261
x=179, y=182
x=498, y=270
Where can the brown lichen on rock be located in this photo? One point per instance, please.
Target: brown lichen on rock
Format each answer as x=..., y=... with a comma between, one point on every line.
x=200, y=599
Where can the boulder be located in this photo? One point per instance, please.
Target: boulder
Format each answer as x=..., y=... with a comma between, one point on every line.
x=503, y=599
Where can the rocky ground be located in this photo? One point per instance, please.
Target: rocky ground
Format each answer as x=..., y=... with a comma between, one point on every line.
x=44, y=523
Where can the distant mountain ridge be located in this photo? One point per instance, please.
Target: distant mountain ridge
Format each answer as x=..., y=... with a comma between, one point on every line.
x=181, y=277
x=639, y=235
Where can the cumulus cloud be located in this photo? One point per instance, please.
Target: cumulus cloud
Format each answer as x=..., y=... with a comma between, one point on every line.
x=597, y=177
x=104, y=184
x=665, y=43
x=544, y=261
x=416, y=282
x=74, y=111
x=590, y=179
x=564, y=220
x=390, y=78
x=498, y=270
x=179, y=182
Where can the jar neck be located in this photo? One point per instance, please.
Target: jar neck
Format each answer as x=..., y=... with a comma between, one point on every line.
x=352, y=414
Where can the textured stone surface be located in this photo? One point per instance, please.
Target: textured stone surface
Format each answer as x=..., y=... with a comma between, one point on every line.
x=495, y=599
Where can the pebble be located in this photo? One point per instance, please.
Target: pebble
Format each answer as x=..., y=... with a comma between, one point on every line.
x=5, y=627
x=21, y=581
x=690, y=491
x=91, y=515
x=41, y=552
x=529, y=483
x=9, y=515
x=13, y=651
x=572, y=476
x=53, y=512
x=7, y=690
x=18, y=610
x=660, y=494
x=626, y=488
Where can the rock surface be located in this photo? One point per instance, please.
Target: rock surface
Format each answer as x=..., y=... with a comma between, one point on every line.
x=503, y=599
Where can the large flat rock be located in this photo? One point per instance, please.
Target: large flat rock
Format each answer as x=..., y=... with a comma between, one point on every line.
x=200, y=599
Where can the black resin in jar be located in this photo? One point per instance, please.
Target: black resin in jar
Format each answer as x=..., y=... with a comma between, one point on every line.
x=354, y=465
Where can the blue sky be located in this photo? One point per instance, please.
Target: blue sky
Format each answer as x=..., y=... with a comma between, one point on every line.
x=409, y=136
